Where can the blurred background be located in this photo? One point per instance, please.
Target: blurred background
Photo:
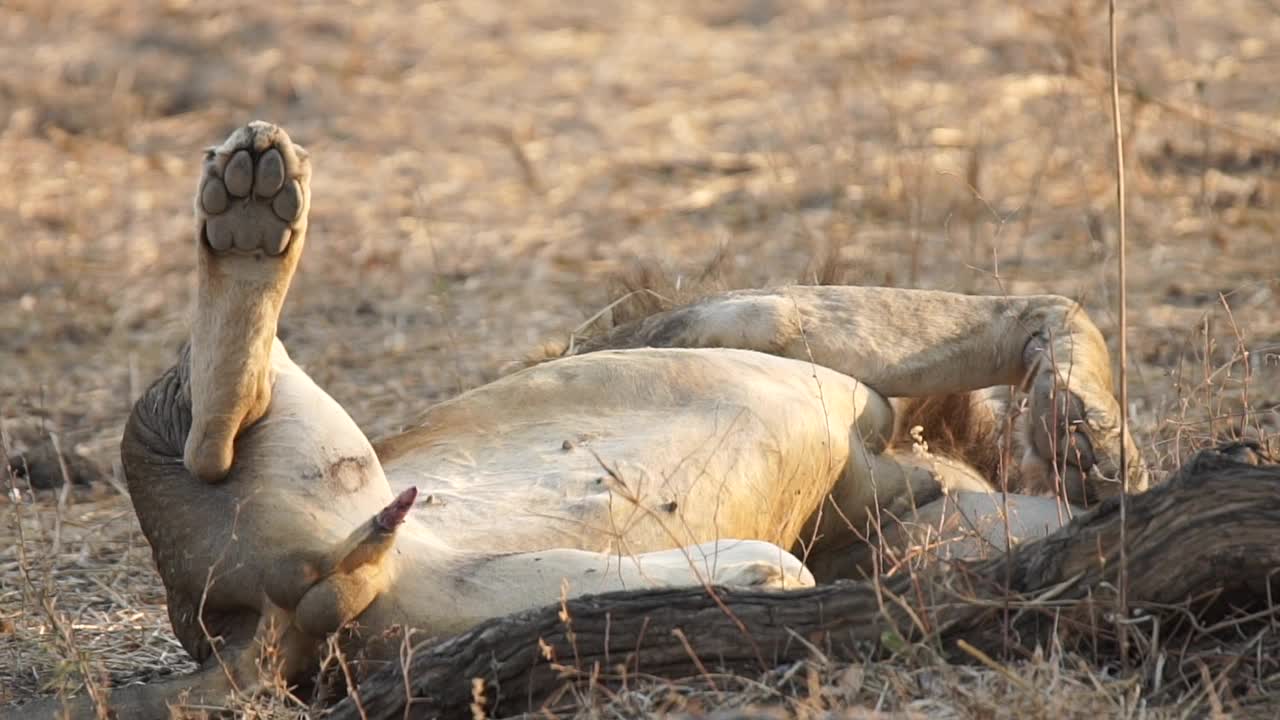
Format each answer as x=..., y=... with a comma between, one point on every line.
x=483, y=168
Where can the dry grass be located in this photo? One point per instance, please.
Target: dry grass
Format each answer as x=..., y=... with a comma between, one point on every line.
x=483, y=167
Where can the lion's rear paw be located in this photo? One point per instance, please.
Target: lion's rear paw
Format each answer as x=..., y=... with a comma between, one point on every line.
x=253, y=192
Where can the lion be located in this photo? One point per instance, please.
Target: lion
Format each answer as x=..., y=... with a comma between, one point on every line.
x=749, y=438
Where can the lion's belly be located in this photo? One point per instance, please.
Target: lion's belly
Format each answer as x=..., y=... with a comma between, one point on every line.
x=634, y=451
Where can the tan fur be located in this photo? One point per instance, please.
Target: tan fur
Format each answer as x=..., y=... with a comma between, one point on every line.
x=1058, y=360
x=698, y=443
x=913, y=343
x=231, y=336
x=963, y=525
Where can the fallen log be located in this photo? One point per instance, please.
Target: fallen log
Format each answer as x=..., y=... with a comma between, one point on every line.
x=1210, y=536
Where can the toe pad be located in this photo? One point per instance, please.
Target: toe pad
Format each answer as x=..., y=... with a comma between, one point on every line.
x=239, y=174
x=269, y=175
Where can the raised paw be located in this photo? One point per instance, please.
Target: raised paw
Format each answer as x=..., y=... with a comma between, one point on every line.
x=251, y=221
x=253, y=192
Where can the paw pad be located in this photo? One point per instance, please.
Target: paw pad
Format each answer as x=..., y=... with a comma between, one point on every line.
x=252, y=193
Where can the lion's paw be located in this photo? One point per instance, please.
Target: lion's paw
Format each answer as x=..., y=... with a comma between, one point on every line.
x=253, y=192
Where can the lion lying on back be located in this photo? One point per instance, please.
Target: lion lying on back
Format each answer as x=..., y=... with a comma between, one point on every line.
x=720, y=442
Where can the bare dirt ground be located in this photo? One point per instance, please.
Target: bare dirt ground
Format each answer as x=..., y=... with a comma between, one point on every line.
x=482, y=168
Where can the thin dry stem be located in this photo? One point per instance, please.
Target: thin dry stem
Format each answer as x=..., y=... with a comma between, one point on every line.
x=1118, y=130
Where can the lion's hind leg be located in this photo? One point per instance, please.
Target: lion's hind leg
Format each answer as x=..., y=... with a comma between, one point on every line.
x=251, y=219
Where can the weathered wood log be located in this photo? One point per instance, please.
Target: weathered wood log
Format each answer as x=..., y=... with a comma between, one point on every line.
x=1214, y=528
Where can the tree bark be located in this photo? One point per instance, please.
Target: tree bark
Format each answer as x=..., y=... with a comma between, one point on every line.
x=1212, y=529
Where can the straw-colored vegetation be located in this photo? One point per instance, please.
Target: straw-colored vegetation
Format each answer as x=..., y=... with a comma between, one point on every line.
x=483, y=168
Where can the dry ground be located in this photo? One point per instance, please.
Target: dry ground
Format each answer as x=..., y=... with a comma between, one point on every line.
x=483, y=167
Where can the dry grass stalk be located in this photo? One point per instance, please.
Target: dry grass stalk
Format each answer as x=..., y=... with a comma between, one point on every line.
x=1122, y=247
